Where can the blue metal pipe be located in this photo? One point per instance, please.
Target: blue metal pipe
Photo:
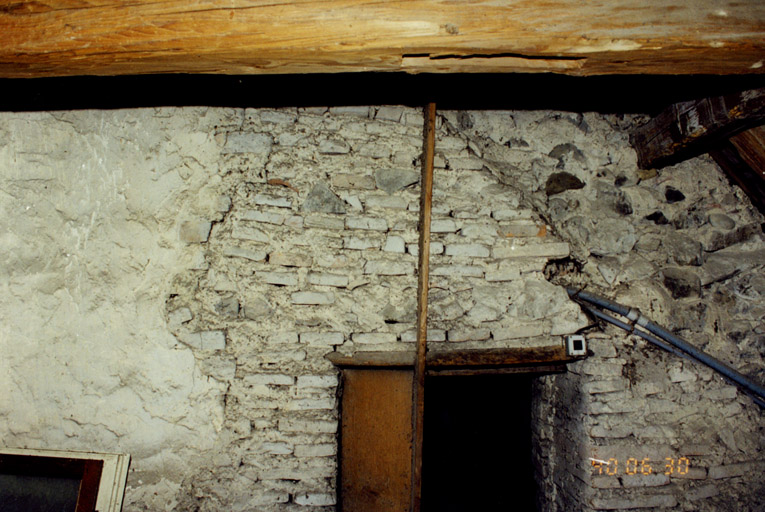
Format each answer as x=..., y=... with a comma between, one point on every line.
x=631, y=328
x=634, y=316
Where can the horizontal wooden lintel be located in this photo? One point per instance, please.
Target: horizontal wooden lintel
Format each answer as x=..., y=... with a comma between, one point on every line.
x=456, y=359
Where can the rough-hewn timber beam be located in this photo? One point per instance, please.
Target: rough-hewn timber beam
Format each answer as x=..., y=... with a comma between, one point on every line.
x=693, y=127
x=743, y=158
x=113, y=37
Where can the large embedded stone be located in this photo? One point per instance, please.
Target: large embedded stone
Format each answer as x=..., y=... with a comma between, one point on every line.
x=561, y=181
x=683, y=249
x=321, y=199
x=681, y=283
x=392, y=180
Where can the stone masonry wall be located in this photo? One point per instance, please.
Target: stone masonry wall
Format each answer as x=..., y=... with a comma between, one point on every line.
x=317, y=252
x=686, y=248
x=175, y=277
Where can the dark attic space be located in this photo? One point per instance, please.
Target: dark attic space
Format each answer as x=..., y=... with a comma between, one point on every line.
x=220, y=279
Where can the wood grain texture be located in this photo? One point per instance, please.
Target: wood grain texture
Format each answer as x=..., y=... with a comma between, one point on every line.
x=495, y=357
x=751, y=146
x=423, y=286
x=110, y=37
x=376, y=435
x=689, y=128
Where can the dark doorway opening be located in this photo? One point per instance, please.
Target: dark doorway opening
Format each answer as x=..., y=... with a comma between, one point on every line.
x=477, y=447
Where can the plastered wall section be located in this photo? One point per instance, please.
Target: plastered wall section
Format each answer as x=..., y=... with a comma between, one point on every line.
x=91, y=203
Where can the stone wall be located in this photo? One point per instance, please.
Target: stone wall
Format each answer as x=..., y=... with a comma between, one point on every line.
x=175, y=277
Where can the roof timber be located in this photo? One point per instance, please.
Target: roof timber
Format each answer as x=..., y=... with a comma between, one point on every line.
x=112, y=37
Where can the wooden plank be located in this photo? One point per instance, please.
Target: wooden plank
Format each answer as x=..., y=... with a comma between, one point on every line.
x=455, y=358
x=423, y=287
x=740, y=171
x=498, y=357
x=751, y=146
x=496, y=371
x=112, y=37
x=373, y=359
x=689, y=128
x=375, y=440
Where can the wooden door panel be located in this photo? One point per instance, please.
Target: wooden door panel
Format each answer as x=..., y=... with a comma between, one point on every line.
x=376, y=440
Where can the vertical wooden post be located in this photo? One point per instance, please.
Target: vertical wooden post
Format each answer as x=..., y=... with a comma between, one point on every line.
x=418, y=402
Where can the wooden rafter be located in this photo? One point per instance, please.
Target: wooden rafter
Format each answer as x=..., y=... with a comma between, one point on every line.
x=693, y=127
x=111, y=37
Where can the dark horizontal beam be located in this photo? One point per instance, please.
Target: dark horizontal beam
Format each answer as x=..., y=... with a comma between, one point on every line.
x=455, y=359
x=690, y=128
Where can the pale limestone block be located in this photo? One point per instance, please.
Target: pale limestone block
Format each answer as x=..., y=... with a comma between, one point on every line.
x=324, y=222
x=336, y=280
x=538, y=250
x=730, y=470
x=308, y=426
x=268, y=200
x=281, y=338
x=195, y=231
x=443, y=226
x=246, y=142
x=265, y=217
x=310, y=404
x=275, y=448
x=394, y=244
x=520, y=330
x=179, y=316
x=433, y=335
x=350, y=111
x=290, y=259
x=511, y=214
x=457, y=271
x=206, y=340
x=377, y=338
x=469, y=163
x=316, y=450
x=389, y=113
x=245, y=232
x=315, y=499
x=361, y=244
x=641, y=480
x=388, y=268
x=458, y=335
x=317, y=381
x=467, y=250
x=334, y=147
x=278, y=278
x=294, y=222
x=435, y=248
x=248, y=254
x=322, y=338
x=313, y=298
x=269, y=379
x=643, y=501
x=392, y=202
x=503, y=274
x=366, y=223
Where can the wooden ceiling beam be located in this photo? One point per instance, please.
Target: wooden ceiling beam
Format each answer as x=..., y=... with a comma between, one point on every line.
x=112, y=37
x=690, y=128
